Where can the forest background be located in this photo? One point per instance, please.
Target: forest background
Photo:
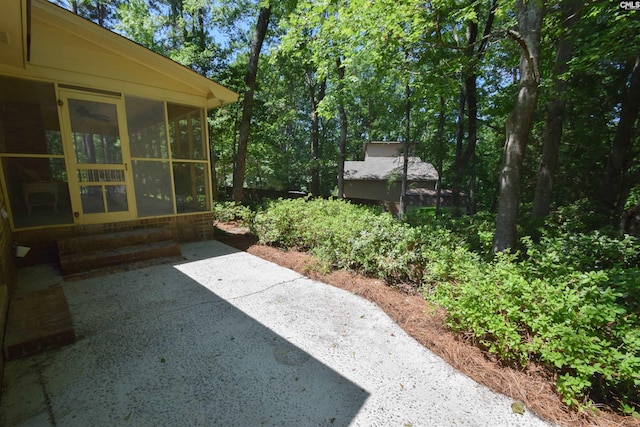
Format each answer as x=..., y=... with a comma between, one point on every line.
x=449, y=75
x=528, y=107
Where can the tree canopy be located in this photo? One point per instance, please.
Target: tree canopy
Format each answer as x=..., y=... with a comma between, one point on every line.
x=448, y=75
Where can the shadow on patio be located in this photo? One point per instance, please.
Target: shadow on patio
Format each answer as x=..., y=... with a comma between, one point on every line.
x=162, y=346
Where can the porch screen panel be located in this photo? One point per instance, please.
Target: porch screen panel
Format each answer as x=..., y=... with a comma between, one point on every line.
x=147, y=128
x=190, y=155
x=191, y=189
x=32, y=156
x=186, y=132
x=152, y=182
x=29, y=117
x=96, y=137
x=38, y=191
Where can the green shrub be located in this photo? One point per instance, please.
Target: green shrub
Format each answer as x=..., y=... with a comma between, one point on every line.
x=232, y=211
x=307, y=223
x=420, y=216
x=583, y=324
x=570, y=252
x=477, y=231
x=342, y=235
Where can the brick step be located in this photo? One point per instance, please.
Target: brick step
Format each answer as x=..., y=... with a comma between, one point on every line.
x=100, y=257
x=106, y=241
x=105, y=271
x=37, y=321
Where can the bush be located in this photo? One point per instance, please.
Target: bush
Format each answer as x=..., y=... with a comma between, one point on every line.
x=584, y=325
x=342, y=235
x=232, y=211
x=475, y=230
x=571, y=252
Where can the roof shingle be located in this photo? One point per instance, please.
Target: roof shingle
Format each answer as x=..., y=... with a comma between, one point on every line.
x=384, y=168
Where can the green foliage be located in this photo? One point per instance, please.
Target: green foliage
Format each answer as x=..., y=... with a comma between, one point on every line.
x=581, y=252
x=569, y=302
x=571, y=305
x=232, y=211
x=342, y=235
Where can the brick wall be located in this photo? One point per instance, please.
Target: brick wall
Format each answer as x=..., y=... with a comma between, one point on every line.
x=184, y=228
x=7, y=275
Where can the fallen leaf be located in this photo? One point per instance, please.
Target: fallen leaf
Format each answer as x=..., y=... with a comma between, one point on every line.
x=518, y=408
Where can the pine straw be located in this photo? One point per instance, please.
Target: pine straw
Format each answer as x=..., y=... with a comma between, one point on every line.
x=533, y=387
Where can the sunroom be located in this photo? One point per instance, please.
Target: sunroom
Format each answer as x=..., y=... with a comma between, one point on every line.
x=95, y=129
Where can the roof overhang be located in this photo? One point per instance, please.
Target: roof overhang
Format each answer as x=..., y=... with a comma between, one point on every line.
x=30, y=54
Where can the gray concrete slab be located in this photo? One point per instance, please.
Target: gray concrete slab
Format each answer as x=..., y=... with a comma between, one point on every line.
x=228, y=339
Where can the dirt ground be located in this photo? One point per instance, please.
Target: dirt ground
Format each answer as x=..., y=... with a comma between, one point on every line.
x=532, y=386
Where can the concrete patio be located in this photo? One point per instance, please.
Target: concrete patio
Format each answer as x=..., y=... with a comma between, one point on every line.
x=228, y=339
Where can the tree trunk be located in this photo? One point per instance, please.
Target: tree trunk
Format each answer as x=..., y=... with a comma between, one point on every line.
x=342, y=148
x=100, y=12
x=315, y=130
x=469, y=97
x=247, y=104
x=529, y=14
x=615, y=182
x=472, y=138
x=440, y=154
x=457, y=176
x=405, y=158
x=555, y=114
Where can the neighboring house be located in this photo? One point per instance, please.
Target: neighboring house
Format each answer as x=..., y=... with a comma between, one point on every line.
x=98, y=133
x=379, y=175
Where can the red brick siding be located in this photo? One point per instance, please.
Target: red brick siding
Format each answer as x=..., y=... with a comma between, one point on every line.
x=184, y=228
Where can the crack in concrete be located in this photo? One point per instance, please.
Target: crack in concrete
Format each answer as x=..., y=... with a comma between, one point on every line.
x=47, y=399
x=239, y=297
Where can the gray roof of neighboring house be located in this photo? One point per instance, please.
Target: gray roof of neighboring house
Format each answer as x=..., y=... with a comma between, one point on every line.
x=383, y=168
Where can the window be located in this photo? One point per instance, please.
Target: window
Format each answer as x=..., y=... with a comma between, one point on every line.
x=152, y=182
x=32, y=155
x=190, y=155
x=185, y=131
x=146, y=124
x=169, y=156
x=147, y=128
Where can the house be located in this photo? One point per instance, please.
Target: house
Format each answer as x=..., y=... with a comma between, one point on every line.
x=97, y=135
x=96, y=129
x=379, y=175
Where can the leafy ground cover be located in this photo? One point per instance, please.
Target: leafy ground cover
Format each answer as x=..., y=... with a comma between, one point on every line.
x=564, y=308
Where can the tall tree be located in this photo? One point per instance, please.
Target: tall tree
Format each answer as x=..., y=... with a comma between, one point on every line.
x=317, y=92
x=259, y=35
x=439, y=153
x=405, y=150
x=179, y=29
x=616, y=182
x=474, y=52
x=342, y=114
x=529, y=15
x=555, y=112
